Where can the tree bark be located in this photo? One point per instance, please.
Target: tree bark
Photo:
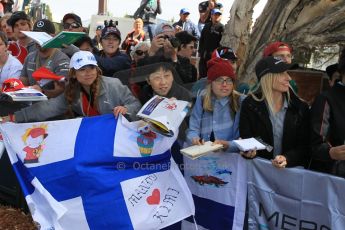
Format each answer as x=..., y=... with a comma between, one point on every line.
x=238, y=27
x=304, y=24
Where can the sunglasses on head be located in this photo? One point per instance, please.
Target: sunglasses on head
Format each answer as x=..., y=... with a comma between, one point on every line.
x=140, y=52
x=226, y=50
x=73, y=25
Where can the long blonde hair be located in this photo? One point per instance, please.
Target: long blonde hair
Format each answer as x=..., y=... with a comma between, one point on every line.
x=234, y=100
x=73, y=86
x=265, y=86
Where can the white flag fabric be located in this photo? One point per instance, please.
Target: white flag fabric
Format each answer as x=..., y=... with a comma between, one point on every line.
x=293, y=198
x=97, y=173
x=2, y=146
x=218, y=183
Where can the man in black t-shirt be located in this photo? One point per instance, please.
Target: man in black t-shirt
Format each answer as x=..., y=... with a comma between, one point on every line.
x=209, y=40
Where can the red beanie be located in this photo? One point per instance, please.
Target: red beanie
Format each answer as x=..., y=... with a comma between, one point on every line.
x=275, y=47
x=218, y=67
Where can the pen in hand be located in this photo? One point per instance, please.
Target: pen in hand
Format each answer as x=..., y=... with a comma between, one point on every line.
x=197, y=141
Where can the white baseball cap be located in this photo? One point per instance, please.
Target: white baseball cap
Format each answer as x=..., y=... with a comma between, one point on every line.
x=82, y=58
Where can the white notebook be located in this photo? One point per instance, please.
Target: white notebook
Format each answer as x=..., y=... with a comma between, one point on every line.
x=24, y=94
x=249, y=144
x=196, y=151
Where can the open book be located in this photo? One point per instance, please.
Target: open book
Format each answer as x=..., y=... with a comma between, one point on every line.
x=249, y=144
x=164, y=115
x=47, y=41
x=196, y=151
x=24, y=94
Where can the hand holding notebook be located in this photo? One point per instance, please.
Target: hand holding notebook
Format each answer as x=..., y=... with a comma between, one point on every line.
x=249, y=144
x=196, y=151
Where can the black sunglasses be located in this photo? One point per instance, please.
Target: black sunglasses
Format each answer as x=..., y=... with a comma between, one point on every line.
x=140, y=52
x=73, y=25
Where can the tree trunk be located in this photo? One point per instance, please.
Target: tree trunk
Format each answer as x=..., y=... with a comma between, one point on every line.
x=304, y=24
x=237, y=32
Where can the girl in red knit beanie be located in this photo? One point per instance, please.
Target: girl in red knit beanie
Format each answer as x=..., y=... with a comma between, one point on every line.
x=215, y=115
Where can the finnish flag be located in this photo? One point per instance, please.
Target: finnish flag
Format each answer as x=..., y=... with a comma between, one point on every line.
x=97, y=173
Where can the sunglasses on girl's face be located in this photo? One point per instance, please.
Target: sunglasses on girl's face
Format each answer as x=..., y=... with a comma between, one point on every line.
x=140, y=52
x=73, y=25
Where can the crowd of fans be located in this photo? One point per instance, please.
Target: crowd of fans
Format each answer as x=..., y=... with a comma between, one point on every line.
x=185, y=61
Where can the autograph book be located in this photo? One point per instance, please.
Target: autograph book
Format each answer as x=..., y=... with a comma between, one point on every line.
x=196, y=151
x=47, y=41
x=24, y=94
x=249, y=144
x=164, y=115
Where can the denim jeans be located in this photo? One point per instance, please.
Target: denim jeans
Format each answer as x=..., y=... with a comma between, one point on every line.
x=149, y=29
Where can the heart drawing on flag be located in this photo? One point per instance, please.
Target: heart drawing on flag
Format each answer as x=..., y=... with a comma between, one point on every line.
x=154, y=198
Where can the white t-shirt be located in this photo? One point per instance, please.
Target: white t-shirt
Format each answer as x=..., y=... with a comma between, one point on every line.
x=11, y=69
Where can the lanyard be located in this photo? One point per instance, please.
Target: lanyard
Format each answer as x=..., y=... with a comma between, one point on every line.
x=87, y=105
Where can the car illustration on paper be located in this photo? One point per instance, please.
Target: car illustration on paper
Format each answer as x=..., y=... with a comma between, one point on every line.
x=211, y=180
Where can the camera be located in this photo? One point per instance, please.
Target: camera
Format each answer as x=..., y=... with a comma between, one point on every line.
x=111, y=23
x=175, y=42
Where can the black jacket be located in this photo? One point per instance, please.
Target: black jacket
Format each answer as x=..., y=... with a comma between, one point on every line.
x=328, y=129
x=186, y=71
x=255, y=122
x=210, y=39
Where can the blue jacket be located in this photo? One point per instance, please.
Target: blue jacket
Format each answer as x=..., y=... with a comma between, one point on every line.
x=224, y=127
x=188, y=26
x=111, y=65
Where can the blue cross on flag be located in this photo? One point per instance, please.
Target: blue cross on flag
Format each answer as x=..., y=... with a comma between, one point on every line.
x=97, y=173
